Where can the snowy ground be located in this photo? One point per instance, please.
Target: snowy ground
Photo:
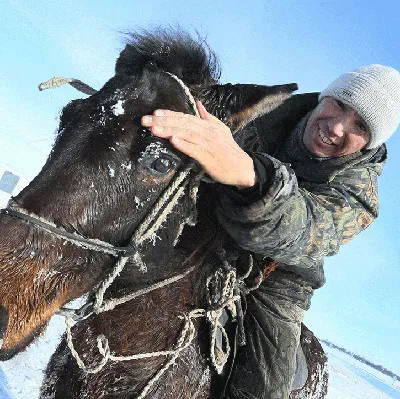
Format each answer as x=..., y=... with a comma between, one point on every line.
x=24, y=371
x=20, y=377
x=351, y=379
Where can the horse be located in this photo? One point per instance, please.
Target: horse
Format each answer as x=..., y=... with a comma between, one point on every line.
x=123, y=219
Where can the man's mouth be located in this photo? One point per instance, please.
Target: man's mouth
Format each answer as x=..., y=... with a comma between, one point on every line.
x=324, y=138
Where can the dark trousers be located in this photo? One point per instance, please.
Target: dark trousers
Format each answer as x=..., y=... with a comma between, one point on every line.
x=264, y=368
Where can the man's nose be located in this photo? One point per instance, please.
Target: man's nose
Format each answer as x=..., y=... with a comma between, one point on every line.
x=337, y=127
x=341, y=125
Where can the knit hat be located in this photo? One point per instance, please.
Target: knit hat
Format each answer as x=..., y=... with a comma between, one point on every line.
x=374, y=92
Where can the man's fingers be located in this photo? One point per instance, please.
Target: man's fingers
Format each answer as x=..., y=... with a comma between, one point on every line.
x=207, y=140
x=167, y=112
x=204, y=114
x=190, y=149
x=202, y=142
x=173, y=120
x=191, y=129
x=202, y=110
x=195, y=151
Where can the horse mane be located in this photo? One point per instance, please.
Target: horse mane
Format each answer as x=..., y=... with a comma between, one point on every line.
x=172, y=50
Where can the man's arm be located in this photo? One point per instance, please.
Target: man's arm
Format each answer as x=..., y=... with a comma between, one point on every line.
x=300, y=225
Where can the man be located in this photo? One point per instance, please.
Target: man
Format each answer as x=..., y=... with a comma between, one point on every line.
x=310, y=187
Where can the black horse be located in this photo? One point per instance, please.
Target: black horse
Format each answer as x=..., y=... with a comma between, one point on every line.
x=106, y=217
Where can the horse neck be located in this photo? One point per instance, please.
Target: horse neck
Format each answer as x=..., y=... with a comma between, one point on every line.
x=149, y=323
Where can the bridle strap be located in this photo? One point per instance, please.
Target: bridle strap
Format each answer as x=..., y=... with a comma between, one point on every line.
x=73, y=238
x=173, y=190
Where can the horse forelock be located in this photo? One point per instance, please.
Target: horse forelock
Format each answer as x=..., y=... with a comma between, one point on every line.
x=172, y=50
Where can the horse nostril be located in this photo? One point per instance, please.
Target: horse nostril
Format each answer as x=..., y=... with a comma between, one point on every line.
x=3, y=323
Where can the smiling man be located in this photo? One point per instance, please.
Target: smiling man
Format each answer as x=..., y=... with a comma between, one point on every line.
x=335, y=129
x=308, y=187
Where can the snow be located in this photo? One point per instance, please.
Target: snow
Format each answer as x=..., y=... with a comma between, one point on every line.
x=154, y=237
x=118, y=108
x=138, y=202
x=22, y=375
x=152, y=150
x=127, y=166
x=43, y=275
x=4, y=390
x=24, y=372
x=111, y=171
x=351, y=379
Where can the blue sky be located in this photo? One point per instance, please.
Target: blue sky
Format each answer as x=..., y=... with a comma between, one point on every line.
x=263, y=42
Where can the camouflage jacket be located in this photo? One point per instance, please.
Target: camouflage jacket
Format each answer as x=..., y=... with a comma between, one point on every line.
x=300, y=220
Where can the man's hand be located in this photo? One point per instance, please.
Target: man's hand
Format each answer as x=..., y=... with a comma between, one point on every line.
x=208, y=141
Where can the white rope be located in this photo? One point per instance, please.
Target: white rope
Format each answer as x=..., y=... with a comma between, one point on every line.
x=206, y=376
x=189, y=331
x=163, y=216
x=184, y=340
x=226, y=300
x=107, y=282
x=170, y=196
x=188, y=93
x=137, y=259
x=219, y=301
x=104, y=306
x=146, y=229
x=75, y=354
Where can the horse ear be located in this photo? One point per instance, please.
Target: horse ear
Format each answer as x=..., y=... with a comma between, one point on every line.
x=237, y=105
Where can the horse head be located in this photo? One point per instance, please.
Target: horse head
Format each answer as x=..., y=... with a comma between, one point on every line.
x=102, y=179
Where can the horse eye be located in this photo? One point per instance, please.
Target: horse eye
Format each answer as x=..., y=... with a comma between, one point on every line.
x=162, y=165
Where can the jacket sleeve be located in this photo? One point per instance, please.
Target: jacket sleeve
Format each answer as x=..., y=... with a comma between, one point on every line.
x=300, y=225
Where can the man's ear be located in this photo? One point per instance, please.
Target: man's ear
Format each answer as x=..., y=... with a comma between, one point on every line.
x=237, y=105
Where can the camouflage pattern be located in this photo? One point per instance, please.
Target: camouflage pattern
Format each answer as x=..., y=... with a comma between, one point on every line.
x=298, y=222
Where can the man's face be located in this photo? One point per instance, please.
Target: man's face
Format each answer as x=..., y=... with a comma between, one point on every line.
x=334, y=129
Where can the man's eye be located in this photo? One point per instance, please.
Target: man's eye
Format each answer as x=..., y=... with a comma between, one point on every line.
x=340, y=104
x=363, y=127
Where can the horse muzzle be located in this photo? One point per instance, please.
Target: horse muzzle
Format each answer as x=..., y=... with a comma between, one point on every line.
x=8, y=351
x=3, y=324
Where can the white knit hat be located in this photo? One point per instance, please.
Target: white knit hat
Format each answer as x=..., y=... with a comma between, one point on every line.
x=374, y=92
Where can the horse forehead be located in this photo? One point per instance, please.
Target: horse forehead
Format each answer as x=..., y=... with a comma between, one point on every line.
x=124, y=97
x=132, y=95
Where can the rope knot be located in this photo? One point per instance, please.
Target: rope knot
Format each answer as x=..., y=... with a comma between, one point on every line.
x=221, y=297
